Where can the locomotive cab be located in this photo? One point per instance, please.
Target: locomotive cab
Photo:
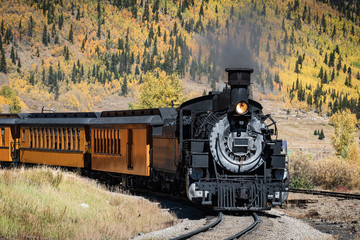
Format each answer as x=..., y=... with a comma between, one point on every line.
x=232, y=161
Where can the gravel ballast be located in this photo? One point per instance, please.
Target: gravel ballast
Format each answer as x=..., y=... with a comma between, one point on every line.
x=274, y=224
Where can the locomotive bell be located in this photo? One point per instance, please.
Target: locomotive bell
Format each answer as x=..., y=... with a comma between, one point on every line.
x=239, y=81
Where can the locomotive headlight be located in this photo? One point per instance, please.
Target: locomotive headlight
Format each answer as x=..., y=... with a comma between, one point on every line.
x=241, y=108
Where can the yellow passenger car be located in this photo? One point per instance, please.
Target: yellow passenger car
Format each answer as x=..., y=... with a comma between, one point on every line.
x=121, y=142
x=134, y=142
x=8, y=144
x=59, y=139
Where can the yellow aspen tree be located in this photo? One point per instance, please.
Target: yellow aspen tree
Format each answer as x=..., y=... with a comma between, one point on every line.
x=343, y=138
x=160, y=91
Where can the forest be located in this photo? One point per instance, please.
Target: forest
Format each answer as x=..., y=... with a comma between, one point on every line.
x=78, y=56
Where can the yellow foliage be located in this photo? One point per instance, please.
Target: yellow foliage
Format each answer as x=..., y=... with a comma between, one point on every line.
x=160, y=91
x=57, y=51
x=343, y=138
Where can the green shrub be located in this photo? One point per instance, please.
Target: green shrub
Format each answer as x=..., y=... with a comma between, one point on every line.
x=301, y=182
x=7, y=92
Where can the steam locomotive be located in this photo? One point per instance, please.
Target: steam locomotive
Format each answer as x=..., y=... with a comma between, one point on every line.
x=216, y=149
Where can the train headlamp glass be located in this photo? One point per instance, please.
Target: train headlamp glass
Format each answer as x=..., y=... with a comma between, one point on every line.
x=241, y=108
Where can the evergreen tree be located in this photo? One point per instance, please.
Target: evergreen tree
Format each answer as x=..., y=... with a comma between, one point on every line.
x=201, y=12
x=309, y=16
x=296, y=5
x=146, y=14
x=326, y=59
x=124, y=88
x=56, y=41
x=52, y=79
x=333, y=34
x=325, y=78
x=43, y=76
x=61, y=21
x=309, y=99
x=321, y=135
x=323, y=23
x=134, y=11
x=263, y=12
x=99, y=30
x=155, y=49
x=333, y=75
x=67, y=54
x=339, y=65
x=137, y=70
x=20, y=29
x=321, y=73
x=120, y=44
x=349, y=84
x=344, y=30
x=32, y=78
x=73, y=74
x=316, y=132
x=53, y=30
x=2, y=59
x=297, y=23
x=12, y=55
x=165, y=37
x=8, y=36
x=283, y=24
x=78, y=15
x=71, y=34
x=31, y=25
x=337, y=50
x=45, y=36
x=304, y=13
x=2, y=28
x=156, y=9
x=292, y=37
x=3, y=67
x=331, y=62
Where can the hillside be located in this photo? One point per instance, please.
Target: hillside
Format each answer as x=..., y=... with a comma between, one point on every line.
x=92, y=55
x=45, y=203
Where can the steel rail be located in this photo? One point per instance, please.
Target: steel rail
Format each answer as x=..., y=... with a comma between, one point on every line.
x=326, y=193
x=197, y=231
x=256, y=221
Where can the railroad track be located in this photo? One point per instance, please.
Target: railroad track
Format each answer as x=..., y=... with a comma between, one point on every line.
x=212, y=225
x=326, y=193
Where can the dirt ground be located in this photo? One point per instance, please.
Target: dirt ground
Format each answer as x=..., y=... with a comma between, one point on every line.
x=297, y=128
x=335, y=216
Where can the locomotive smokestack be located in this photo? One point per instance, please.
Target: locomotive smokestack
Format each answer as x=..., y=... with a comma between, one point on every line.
x=239, y=81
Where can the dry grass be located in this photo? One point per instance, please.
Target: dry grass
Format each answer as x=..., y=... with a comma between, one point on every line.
x=48, y=203
x=329, y=173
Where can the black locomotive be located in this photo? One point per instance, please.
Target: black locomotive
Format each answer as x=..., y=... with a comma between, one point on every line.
x=217, y=148
x=228, y=155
